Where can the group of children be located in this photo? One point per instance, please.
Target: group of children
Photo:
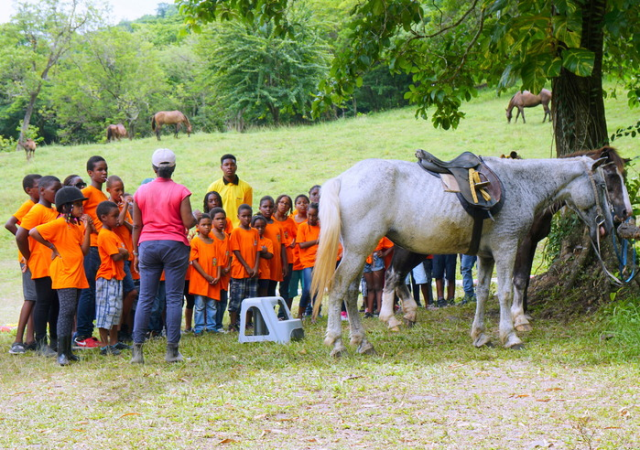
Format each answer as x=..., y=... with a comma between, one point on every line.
x=76, y=260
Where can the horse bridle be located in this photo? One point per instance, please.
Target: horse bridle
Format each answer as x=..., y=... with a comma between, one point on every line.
x=597, y=185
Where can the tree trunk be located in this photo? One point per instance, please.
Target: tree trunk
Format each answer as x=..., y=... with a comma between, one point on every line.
x=578, y=104
x=27, y=118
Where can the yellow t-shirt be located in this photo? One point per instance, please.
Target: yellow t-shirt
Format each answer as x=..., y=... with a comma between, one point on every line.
x=233, y=195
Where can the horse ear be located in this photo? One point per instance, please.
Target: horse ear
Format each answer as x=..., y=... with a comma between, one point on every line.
x=598, y=163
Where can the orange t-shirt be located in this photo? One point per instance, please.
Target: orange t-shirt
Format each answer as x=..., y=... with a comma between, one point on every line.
x=40, y=258
x=308, y=233
x=108, y=244
x=246, y=242
x=20, y=213
x=289, y=233
x=296, y=250
x=123, y=233
x=383, y=243
x=264, y=268
x=94, y=198
x=274, y=232
x=207, y=257
x=222, y=250
x=67, y=270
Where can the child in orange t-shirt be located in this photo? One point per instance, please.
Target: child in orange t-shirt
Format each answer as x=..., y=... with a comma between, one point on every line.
x=115, y=188
x=113, y=254
x=282, y=215
x=374, y=276
x=69, y=238
x=38, y=259
x=244, y=267
x=308, y=235
x=204, y=282
x=30, y=186
x=213, y=200
x=266, y=254
x=220, y=237
x=301, y=204
x=278, y=265
x=98, y=171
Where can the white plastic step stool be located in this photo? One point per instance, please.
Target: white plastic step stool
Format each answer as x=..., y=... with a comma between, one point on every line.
x=266, y=326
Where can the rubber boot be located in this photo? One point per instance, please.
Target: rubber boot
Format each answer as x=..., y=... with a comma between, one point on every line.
x=173, y=354
x=69, y=353
x=63, y=358
x=137, y=354
x=43, y=349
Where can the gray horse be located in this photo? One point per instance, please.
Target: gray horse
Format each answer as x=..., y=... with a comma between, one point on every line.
x=397, y=199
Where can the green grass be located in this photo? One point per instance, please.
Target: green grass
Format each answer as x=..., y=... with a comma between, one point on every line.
x=427, y=387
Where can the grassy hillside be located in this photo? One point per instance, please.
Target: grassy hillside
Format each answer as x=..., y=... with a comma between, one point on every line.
x=290, y=160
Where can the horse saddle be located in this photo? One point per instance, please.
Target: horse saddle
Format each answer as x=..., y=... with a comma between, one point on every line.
x=478, y=188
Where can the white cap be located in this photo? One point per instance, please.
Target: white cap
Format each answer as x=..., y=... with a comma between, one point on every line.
x=163, y=157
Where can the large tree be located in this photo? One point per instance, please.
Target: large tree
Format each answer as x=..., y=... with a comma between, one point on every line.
x=43, y=32
x=451, y=46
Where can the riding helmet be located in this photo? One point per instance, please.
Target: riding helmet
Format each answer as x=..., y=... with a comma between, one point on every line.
x=68, y=194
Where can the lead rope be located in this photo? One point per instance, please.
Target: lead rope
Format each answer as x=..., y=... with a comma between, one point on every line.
x=599, y=222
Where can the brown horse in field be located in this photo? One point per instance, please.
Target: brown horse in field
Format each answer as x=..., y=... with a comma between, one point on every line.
x=526, y=99
x=116, y=132
x=170, y=118
x=30, y=148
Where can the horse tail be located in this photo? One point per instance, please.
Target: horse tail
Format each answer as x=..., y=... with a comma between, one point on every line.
x=330, y=228
x=153, y=123
x=108, y=134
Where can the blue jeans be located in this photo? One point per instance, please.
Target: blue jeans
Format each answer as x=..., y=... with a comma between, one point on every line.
x=305, y=300
x=87, y=301
x=156, y=256
x=221, y=308
x=205, y=314
x=156, y=324
x=466, y=270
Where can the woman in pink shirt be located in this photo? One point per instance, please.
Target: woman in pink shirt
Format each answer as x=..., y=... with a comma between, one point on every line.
x=162, y=217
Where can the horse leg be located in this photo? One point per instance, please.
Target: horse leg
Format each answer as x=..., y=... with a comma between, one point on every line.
x=523, y=119
x=521, y=274
x=177, y=129
x=357, y=332
x=158, y=128
x=504, y=267
x=345, y=282
x=485, y=269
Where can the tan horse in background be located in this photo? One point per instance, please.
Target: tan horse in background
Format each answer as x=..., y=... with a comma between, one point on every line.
x=116, y=132
x=29, y=148
x=526, y=99
x=170, y=118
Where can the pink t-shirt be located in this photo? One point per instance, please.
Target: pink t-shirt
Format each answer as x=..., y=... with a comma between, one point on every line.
x=159, y=202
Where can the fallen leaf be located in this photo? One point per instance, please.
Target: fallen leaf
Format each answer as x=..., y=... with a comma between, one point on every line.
x=303, y=351
x=612, y=428
x=129, y=414
x=79, y=430
x=227, y=441
x=519, y=395
x=553, y=389
x=543, y=400
x=352, y=377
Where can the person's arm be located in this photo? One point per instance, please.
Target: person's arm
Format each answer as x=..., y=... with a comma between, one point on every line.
x=186, y=213
x=123, y=254
x=196, y=265
x=256, y=269
x=12, y=225
x=35, y=234
x=285, y=263
x=308, y=243
x=265, y=253
x=244, y=263
x=135, y=237
x=86, y=242
x=22, y=240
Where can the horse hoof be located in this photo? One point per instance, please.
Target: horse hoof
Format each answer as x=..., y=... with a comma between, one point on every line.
x=409, y=323
x=517, y=347
x=366, y=349
x=394, y=323
x=338, y=352
x=524, y=327
x=483, y=341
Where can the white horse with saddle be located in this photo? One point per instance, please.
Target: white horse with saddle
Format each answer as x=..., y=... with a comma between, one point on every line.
x=398, y=199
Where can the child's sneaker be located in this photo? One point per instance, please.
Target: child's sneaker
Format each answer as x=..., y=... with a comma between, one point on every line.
x=109, y=350
x=122, y=346
x=90, y=342
x=17, y=348
x=30, y=346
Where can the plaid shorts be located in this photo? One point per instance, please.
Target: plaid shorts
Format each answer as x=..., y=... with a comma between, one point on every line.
x=239, y=289
x=108, y=302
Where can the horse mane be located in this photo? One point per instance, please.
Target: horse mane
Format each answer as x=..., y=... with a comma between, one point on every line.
x=612, y=153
